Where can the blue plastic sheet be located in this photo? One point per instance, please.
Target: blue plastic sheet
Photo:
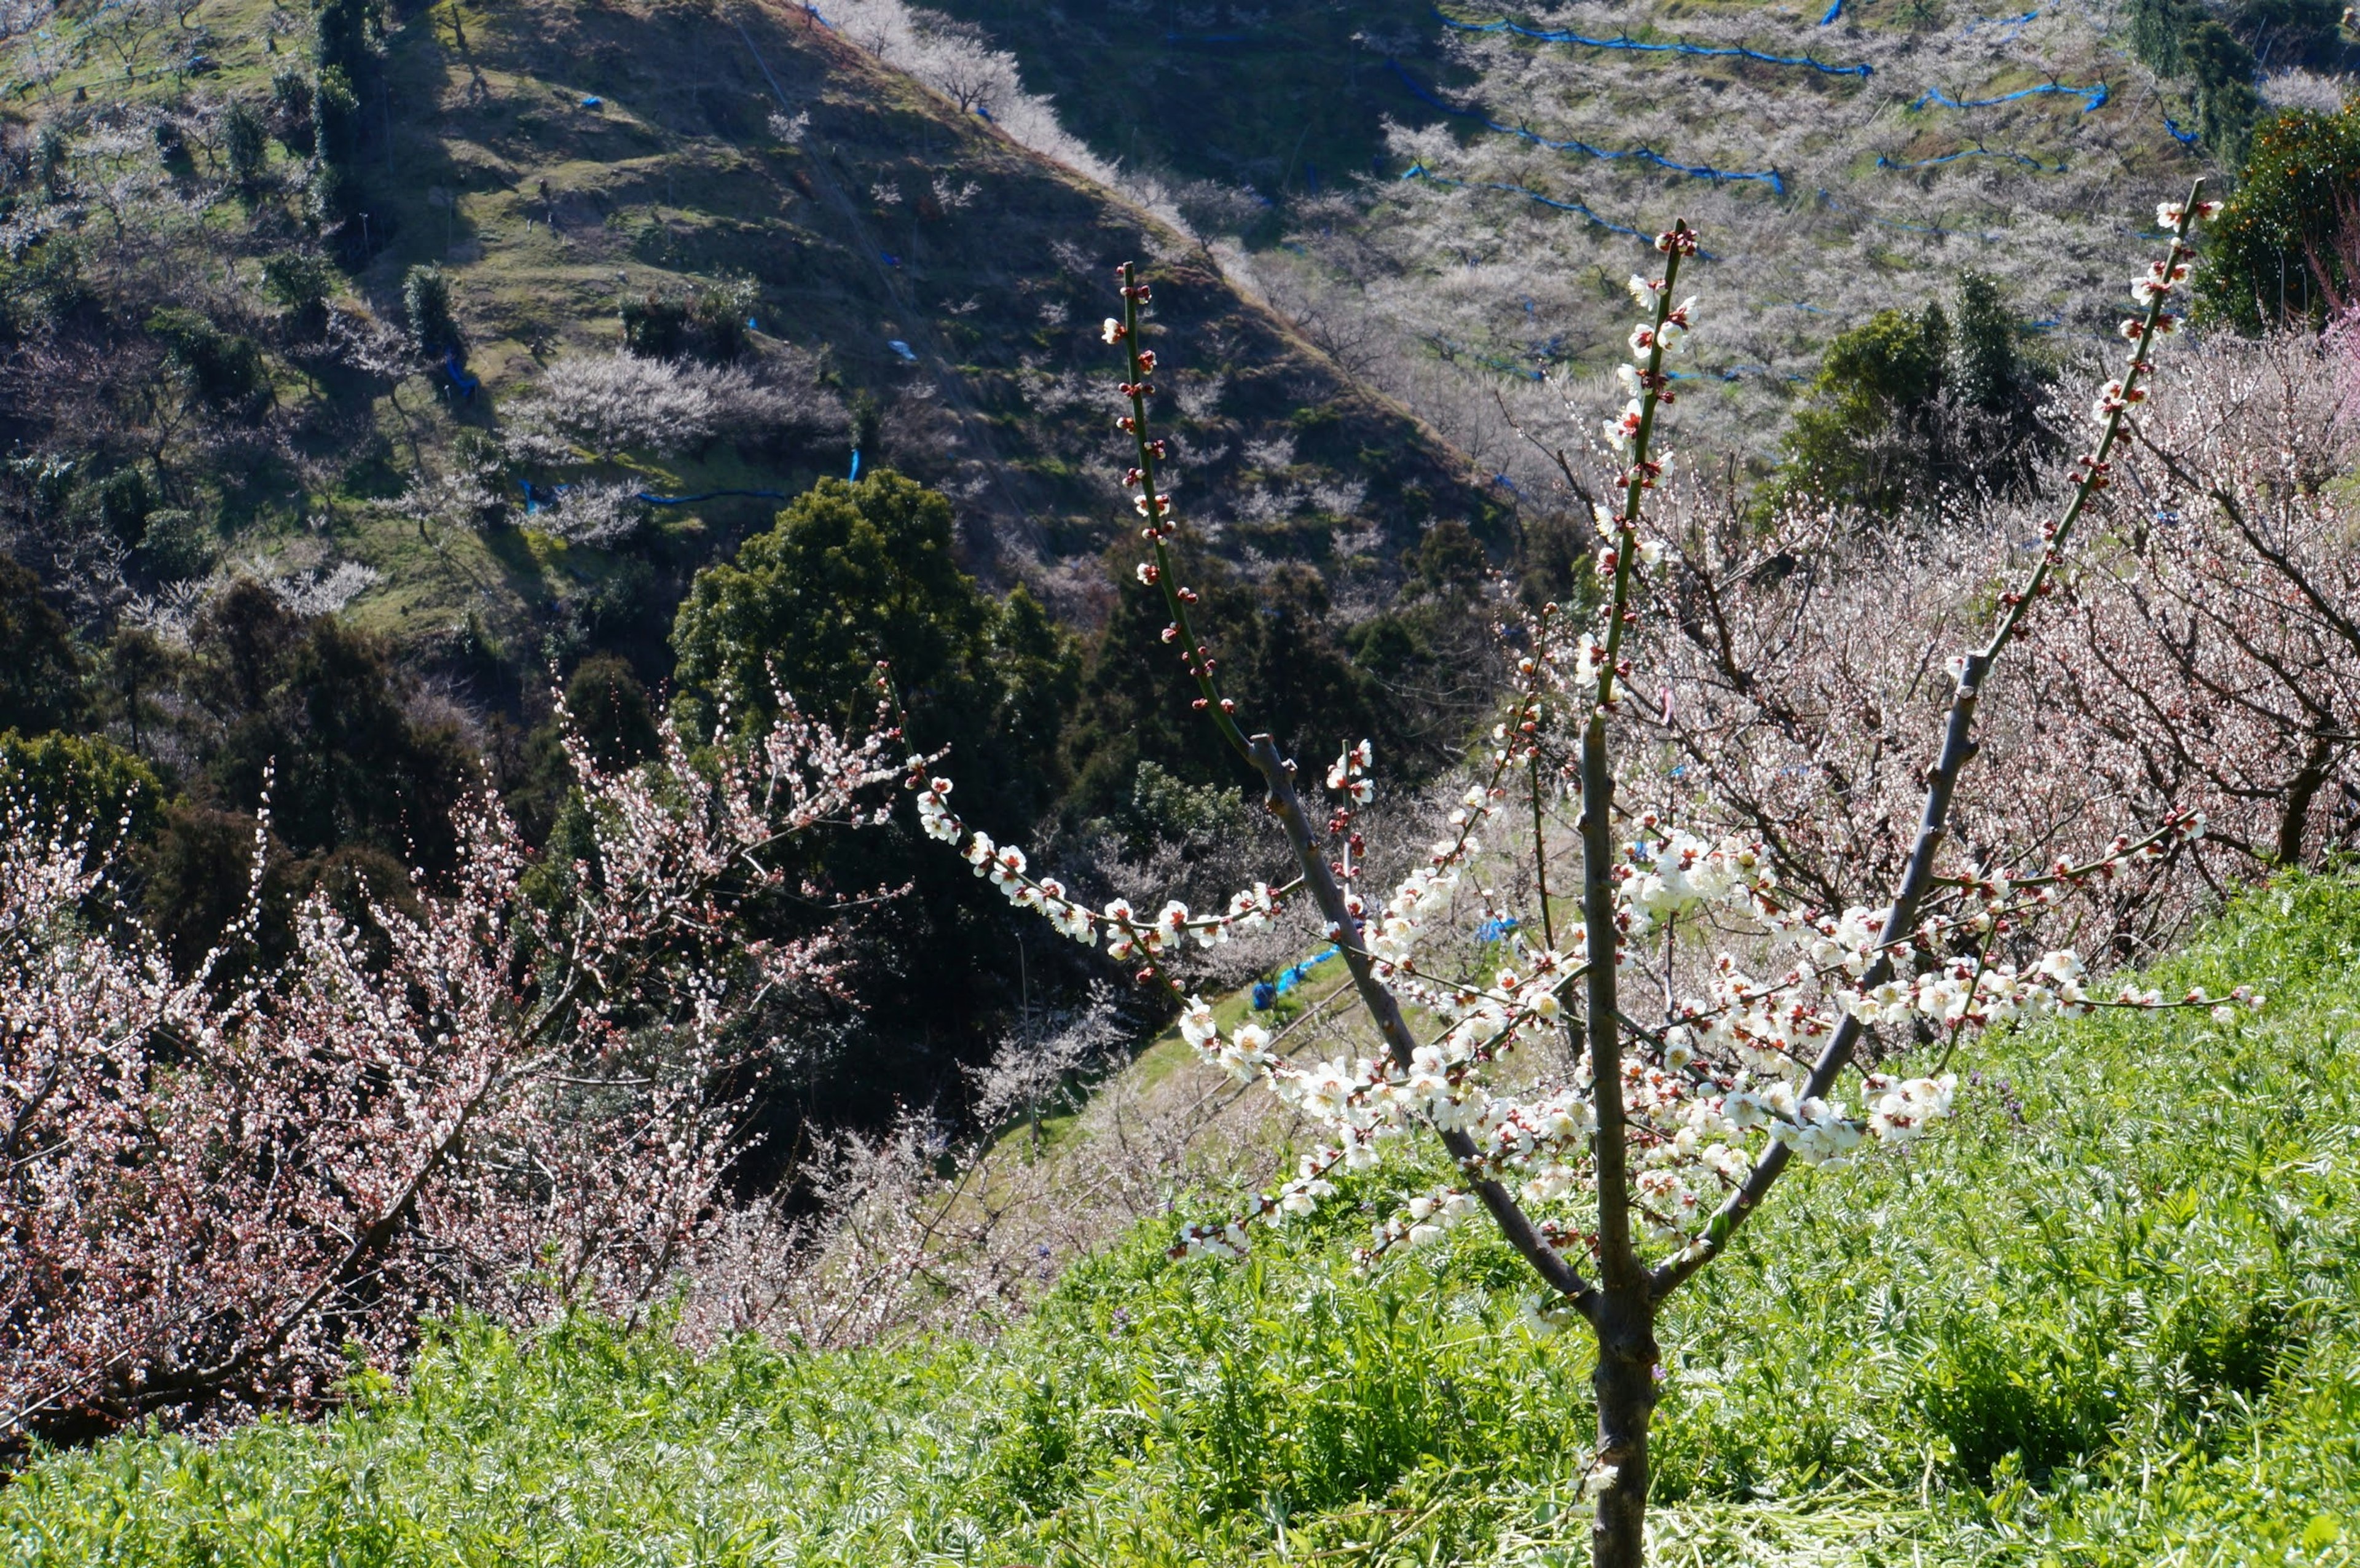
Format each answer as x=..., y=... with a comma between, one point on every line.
x=1643, y=46
x=464, y=384
x=1266, y=994
x=2092, y=97
x=2185, y=138
x=1645, y=155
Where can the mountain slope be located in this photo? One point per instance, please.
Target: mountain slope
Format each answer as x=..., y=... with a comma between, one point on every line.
x=1467, y=219
x=561, y=161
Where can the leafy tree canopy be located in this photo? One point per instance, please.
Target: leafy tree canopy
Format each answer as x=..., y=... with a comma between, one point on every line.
x=2273, y=253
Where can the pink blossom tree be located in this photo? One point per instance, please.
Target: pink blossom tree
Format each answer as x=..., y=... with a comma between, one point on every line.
x=513, y=1092
x=1630, y=1164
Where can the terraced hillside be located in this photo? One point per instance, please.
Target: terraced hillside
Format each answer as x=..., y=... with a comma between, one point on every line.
x=1460, y=188
x=916, y=285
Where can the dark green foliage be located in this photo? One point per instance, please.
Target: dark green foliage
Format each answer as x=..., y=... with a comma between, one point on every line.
x=336, y=118
x=291, y=112
x=119, y=505
x=2184, y=38
x=345, y=38
x=315, y=706
x=1277, y=648
x=1908, y=407
x=2274, y=252
x=218, y=370
x=82, y=783
x=41, y=673
x=852, y=574
x=709, y=325
x=611, y=712
x=44, y=286
x=426, y=306
x=331, y=197
x=300, y=282
x=177, y=544
x=245, y=142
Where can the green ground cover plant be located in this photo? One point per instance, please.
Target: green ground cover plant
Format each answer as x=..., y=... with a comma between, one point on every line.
x=2108, y=1318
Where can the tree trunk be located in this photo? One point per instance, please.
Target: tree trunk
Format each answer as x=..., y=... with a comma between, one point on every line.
x=1626, y=1383
x=2302, y=789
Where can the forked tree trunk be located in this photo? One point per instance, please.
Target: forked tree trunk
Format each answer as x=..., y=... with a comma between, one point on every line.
x=1625, y=1384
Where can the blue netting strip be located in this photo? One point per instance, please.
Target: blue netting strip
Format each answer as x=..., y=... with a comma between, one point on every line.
x=2018, y=23
x=2092, y=97
x=1419, y=172
x=2025, y=158
x=2185, y=138
x=1636, y=46
x=1645, y=155
x=711, y=495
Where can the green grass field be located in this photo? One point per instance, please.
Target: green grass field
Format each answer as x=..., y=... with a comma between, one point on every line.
x=2108, y=1318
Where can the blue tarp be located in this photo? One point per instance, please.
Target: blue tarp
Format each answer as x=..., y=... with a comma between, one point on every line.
x=464, y=384
x=2092, y=97
x=1645, y=154
x=1267, y=994
x=897, y=346
x=1639, y=45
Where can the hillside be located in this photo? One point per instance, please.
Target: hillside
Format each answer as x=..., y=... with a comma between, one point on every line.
x=1448, y=196
x=2106, y=1319
x=912, y=281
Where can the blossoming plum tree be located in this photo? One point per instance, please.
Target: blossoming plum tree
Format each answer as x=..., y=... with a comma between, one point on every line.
x=1619, y=1180
x=485, y=1093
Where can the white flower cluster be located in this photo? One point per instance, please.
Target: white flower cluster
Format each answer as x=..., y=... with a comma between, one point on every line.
x=1659, y=336
x=1125, y=931
x=1348, y=774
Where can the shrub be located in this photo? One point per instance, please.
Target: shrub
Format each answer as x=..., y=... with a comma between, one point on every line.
x=1907, y=409
x=177, y=544
x=709, y=325
x=300, y=282
x=245, y=142
x=40, y=672
x=291, y=112
x=219, y=370
x=426, y=306
x=335, y=119
x=621, y=402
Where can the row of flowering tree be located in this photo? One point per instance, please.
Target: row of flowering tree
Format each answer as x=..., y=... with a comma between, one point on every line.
x=1764, y=1037
x=513, y=1091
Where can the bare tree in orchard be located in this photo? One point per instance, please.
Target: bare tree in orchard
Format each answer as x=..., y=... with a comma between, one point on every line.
x=1620, y=1176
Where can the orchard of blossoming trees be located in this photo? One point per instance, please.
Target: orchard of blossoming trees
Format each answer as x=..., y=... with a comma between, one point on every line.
x=515, y=1091
x=1627, y=1165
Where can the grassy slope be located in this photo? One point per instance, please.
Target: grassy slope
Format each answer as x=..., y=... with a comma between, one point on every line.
x=677, y=178
x=2107, y=1318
